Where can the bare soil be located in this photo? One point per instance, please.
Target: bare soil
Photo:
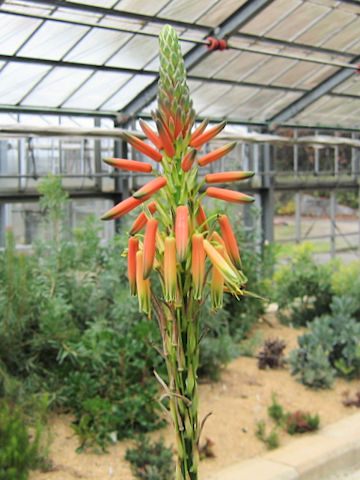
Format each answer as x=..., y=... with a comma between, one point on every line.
x=237, y=402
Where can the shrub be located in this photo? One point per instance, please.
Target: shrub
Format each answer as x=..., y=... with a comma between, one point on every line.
x=346, y=281
x=151, y=461
x=271, y=355
x=301, y=422
x=331, y=347
x=271, y=440
x=303, y=288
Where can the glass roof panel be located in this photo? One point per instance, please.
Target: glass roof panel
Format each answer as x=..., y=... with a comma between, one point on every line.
x=56, y=86
x=96, y=90
x=295, y=74
x=52, y=40
x=277, y=105
x=127, y=93
x=207, y=95
x=243, y=64
x=270, y=16
x=232, y=97
x=345, y=37
x=293, y=25
x=97, y=46
x=317, y=76
x=186, y=10
x=136, y=53
x=335, y=20
x=98, y=3
x=213, y=63
x=219, y=12
x=14, y=31
x=351, y=86
x=270, y=69
x=16, y=79
x=139, y=6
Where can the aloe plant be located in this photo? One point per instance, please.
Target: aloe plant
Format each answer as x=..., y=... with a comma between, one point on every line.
x=178, y=238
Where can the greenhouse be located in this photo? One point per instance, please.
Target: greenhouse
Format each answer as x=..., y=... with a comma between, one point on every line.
x=195, y=164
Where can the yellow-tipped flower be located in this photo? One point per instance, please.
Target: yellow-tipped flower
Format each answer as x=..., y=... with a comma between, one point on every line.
x=149, y=246
x=216, y=154
x=130, y=165
x=165, y=139
x=230, y=241
x=151, y=135
x=217, y=285
x=201, y=219
x=188, y=160
x=133, y=247
x=228, y=195
x=181, y=231
x=143, y=147
x=199, y=130
x=224, y=177
x=219, y=261
x=142, y=219
x=145, y=192
x=207, y=136
x=170, y=269
x=143, y=285
x=122, y=208
x=197, y=264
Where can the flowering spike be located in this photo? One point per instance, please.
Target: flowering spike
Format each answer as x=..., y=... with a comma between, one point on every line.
x=121, y=208
x=151, y=135
x=201, y=218
x=149, y=246
x=216, y=154
x=131, y=165
x=150, y=188
x=188, y=160
x=230, y=241
x=208, y=135
x=218, y=260
x=181, y=231
x=166, y=140
x=141, y=220
x=217, y=285
x=142, y=146
x=224, y=177
x=133, y=247
x=170, y=269
x=197, y=264
x=228, y=195
x=200, y=129
x=143, y=286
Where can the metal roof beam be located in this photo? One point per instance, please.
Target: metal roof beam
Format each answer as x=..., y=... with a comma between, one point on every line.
x=308, y=98
x=82, y=7
x=239, y=18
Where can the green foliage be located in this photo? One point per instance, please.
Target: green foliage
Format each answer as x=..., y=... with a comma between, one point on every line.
x=331, y=347
x=271, y=355
x=271, y=440
x=20, y=448
x=248, y=346
x=346, y=281
x=151, y=461
x=301, y=422
x=276, y=411
x=303, y=287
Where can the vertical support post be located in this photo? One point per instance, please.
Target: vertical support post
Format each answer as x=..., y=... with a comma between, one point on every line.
x=121, y=183
x=97, y=158
x=3, y=170
x=355, y=163
x=296, y=154
x=336, y=159
x=21, y=164
x=332, y=224
x=316, y=158
x=267, y=197
x=298, y=216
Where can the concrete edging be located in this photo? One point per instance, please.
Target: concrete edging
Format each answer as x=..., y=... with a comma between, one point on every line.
x=312, y=457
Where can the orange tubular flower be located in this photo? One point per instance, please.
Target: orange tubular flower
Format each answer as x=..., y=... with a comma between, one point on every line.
x=201, y=219
x=142, y=146
x=217, y=285
x=224, y=177
x=133, y=247
x=228, y=195
x=165, y=138
x=199, y=130
x=151, y=135
x=181, y=231
x=131, y=165
x=170, y=269
x=215, y=237
x=145, y=192
x=121, y=208
x=143, y=286
x=149, y=247
x=142, y=219
x=219, y=261
x=188, y=160
x=230, y=241
x=198, y=264
x=206, y=136
x=216, y=154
